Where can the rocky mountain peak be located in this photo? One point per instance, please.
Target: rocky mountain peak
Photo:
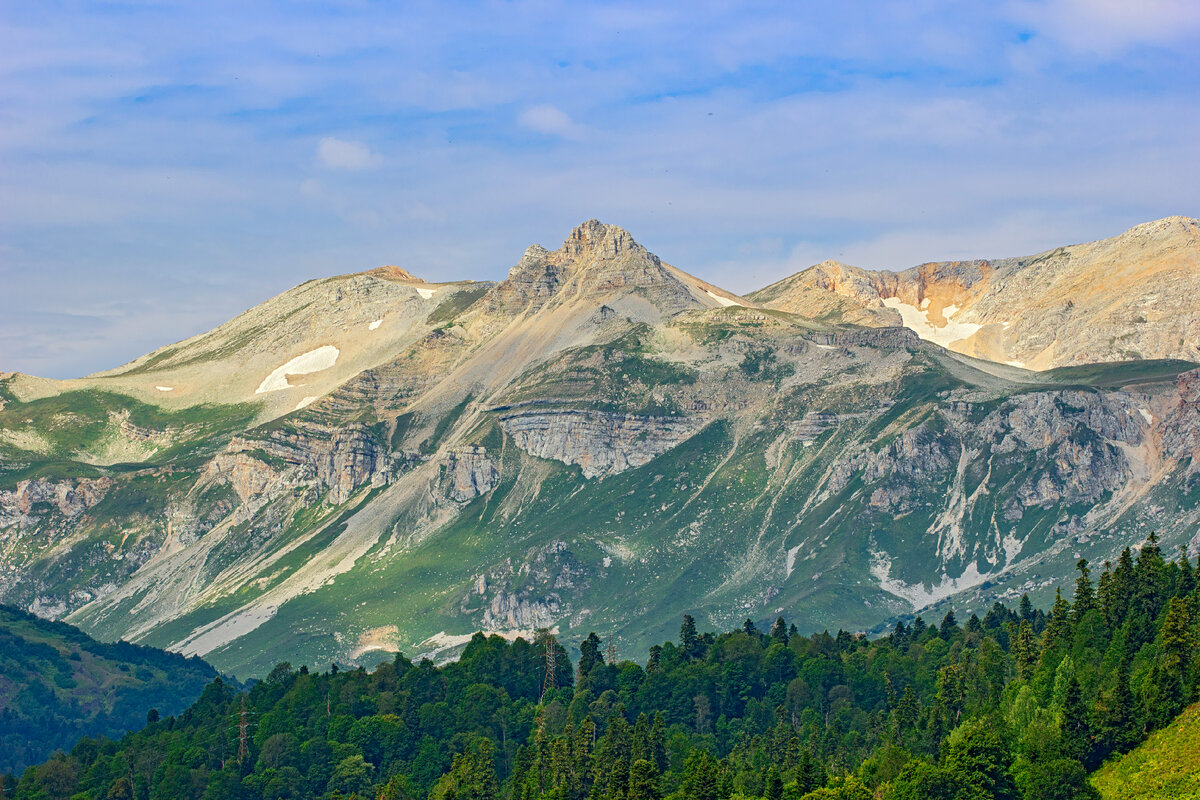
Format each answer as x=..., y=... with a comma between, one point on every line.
x=597, y=239
x=389, y=272
x=1167, y=227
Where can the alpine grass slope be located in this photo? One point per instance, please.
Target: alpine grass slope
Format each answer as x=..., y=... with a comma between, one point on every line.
x=603, y=442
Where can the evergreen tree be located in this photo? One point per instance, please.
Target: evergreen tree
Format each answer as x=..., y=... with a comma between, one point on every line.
x=1058, y=626
x=1026, y=651
x=689, y=642
x=779, y=631
x=1025, y=609
x=1073, y=725
x=643, y=781
x=589, y=655
x=1085, y=596
x=1177, y=638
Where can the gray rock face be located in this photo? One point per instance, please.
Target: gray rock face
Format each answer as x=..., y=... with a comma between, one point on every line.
x=601, y=443
x=469, y=472
x=1181, y=426
x=335, y=459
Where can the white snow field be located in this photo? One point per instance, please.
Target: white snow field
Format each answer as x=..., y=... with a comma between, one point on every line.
x=165, y=388
x=306, y=401
x=426, y=293
x=918, y=321
x=725, y=301
x=374, y=324
x=312, y=361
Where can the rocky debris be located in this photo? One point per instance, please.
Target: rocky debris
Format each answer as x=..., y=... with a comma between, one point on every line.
x=600, y=442
x=469, y=473
x=534, y=594
x=71, y=498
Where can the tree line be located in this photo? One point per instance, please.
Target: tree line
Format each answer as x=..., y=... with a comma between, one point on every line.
x=1017, y=705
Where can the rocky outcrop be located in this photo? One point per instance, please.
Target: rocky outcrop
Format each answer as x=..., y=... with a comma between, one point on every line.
x=599, y=442
x=1070, y=443
x=70, y=498
x=305, y=453
x=469, y=473
x=535, y=592
x=1124, y=298
x=1181, y=426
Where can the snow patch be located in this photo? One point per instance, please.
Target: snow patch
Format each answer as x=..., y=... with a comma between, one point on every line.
x=916, y=593
x=791, y=554
x=165, y=388
x=374, y=324
x=426, y=293
x=306, y=401
x=917, y=321
x=1146, y=415
x=724, y=301
x=1020, y=364
x=312, y=361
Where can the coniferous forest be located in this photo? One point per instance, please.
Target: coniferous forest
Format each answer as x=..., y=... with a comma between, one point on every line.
x=1019, y=704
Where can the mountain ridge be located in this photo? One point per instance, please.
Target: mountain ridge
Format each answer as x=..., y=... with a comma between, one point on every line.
x=598, y=440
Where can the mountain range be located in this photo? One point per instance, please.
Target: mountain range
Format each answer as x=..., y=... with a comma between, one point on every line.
x=603, y=442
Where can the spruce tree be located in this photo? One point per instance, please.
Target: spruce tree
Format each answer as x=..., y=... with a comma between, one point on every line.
x=1085, y=596
x=1073, y=725
x=779, y=631
x=689, y=642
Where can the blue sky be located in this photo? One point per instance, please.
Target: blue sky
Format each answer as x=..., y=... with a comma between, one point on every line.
x=164, y=166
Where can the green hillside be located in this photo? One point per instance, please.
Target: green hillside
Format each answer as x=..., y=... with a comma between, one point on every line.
x=1166, y=766
x=58, y=684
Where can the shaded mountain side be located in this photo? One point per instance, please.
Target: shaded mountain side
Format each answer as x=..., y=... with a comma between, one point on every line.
x=57, y=684
x=602, y=441
x=1128, y=297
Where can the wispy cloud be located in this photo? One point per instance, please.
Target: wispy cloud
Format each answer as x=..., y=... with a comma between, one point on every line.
x=550, y=120
x=344, y=154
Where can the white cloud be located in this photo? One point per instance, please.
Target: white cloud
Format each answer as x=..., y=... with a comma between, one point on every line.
x=344, y=154
x=550, y=120
x=1107, y=27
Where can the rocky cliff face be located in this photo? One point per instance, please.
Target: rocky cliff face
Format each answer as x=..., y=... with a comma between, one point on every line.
x=600, y=443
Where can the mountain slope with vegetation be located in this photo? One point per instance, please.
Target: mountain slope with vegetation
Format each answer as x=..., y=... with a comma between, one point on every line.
x=1016, y=705
x=599, y=442
x=1164, y=767
x=57, y=684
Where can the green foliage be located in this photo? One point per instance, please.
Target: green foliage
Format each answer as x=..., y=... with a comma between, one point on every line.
x=57, y=684
x=961, y=712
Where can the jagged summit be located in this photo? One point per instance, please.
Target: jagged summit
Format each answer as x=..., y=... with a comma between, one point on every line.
x=596, y=237
x=599, y=261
